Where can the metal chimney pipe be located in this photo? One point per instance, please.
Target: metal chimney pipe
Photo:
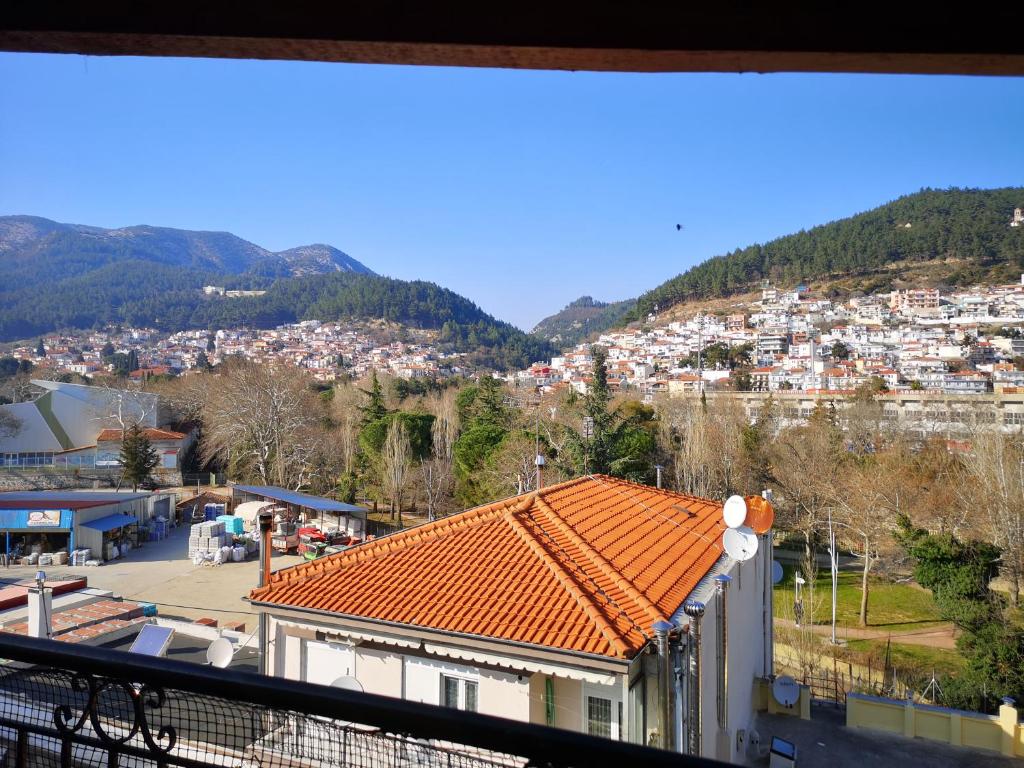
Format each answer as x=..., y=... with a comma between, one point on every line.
x=266, y=520
x=695, y=610
x=722, y=582
x=665, y=688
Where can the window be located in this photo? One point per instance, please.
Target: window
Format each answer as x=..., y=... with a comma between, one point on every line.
x=459, y=693
x=602, y=711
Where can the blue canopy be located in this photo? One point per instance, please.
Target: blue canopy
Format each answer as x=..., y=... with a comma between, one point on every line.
x=318, y=503
x=110, y=522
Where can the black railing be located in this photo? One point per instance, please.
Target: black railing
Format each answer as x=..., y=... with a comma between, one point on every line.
x=65, y=705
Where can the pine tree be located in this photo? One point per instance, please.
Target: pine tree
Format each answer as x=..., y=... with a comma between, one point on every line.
x=596, y=405
x=133, y=361
x=202, y=361
x=138, y=456
x=375, y=409
x=108, y=351
x=40, y=349
x=211, y=345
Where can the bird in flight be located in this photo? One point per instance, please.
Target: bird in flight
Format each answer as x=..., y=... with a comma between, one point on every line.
x=679, y=227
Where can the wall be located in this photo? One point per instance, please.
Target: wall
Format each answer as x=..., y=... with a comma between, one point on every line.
x=1001, y=733
x=379, y=671
x=568, y=704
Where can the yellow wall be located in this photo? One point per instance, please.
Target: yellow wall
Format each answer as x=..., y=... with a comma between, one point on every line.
x=1002, y=733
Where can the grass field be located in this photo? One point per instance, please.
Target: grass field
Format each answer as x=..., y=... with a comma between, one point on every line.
x=912, y=657
x=896, y=607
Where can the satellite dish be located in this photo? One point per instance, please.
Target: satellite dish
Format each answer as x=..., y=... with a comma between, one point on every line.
x=734, y=511
x=347, y=683
x=740, y=543
x=785, y=690
x=760, y=514
x=777, y=573
x=220, y=652
x=800, y=579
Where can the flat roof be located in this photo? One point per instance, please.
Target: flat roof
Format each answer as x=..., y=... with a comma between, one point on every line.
x=318, y=503
x=63, y=499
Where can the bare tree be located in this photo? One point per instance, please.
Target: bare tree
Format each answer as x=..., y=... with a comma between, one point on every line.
x=438, y=477
x=10, y=425
x=992, y=483
x=397, y=464
x=264, y=423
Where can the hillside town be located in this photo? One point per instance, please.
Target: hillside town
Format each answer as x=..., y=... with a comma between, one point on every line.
x=955, y=343
x=327, y=350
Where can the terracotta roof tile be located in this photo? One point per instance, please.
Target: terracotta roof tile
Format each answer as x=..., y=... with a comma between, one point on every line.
x=587, y=565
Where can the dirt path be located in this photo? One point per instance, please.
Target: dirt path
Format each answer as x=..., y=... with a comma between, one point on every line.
x=938, y=636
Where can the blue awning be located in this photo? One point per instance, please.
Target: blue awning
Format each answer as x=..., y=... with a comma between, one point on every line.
x=110, y=522
x=318, y=503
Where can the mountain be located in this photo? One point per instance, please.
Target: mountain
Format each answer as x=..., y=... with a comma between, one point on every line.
x=952, y=237
x=59, y=276
x=580, y=319
x=37, y=249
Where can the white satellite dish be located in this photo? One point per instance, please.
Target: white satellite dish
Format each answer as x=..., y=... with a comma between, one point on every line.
x=785, y=690
x=220, y=652
x=777, y=572
x=347, y=683
x=799, y=579
x=734, y=511
x=740, y=543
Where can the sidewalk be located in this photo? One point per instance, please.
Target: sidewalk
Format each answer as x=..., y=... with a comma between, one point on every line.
x=939, y=636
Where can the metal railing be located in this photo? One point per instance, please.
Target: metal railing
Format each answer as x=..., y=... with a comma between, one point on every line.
x=65, y=705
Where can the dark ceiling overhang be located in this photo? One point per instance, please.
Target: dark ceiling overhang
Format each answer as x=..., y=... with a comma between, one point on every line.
x=974, y=38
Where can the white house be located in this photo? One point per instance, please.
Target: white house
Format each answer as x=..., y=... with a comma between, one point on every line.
x=567, y=606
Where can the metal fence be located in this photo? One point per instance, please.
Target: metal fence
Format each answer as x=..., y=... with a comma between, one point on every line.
x=64, y=705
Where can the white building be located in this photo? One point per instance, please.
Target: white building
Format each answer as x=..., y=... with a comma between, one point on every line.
x=549, y=608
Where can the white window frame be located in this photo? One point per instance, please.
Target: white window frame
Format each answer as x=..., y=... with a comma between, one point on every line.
x=463, y=684
x=304, y=654
x=612, y=693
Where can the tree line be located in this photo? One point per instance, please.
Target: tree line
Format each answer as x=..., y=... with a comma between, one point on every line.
x=968, y=225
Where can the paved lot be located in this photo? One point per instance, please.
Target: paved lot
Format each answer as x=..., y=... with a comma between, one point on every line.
x=825, y=742
x=160, y=572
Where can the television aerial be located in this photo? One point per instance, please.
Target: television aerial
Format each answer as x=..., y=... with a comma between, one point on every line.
x=220, y=652
x=735, y=511
x=740, y=543
x=785, y=690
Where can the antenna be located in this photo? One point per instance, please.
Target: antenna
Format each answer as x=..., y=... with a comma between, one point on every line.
x=347, y=683
x=740, y=543
x=760, y=514
x=220, y=652
x=785, y=690
x=734, y=511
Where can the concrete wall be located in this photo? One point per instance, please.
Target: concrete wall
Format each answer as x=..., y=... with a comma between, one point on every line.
x=568, y=704
x=379, y=671
x=1002, y=733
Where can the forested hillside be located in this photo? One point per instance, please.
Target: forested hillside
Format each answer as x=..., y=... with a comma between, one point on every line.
x=969, y=227
x=580, y=319
x=62, y=276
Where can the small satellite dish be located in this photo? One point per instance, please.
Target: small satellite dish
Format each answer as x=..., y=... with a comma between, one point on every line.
x=734, y=511
x=347, y=683
x=777, y=572
x=220, y=652
x=785, y=690
x=800, y=579
x=740, y=543
x=760, y=514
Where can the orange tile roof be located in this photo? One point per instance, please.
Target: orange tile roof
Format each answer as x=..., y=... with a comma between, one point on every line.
x=114, y=435
x=586, y=565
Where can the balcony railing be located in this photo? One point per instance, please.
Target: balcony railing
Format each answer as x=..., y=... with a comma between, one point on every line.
x=63, y=705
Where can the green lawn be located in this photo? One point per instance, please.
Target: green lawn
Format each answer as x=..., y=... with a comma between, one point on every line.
x=919, y=658
x=896, y=607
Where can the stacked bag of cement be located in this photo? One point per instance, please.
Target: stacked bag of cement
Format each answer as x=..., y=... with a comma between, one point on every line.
x=207, y=539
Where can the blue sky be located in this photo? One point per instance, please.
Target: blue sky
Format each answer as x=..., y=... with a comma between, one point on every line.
x=520, y=190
